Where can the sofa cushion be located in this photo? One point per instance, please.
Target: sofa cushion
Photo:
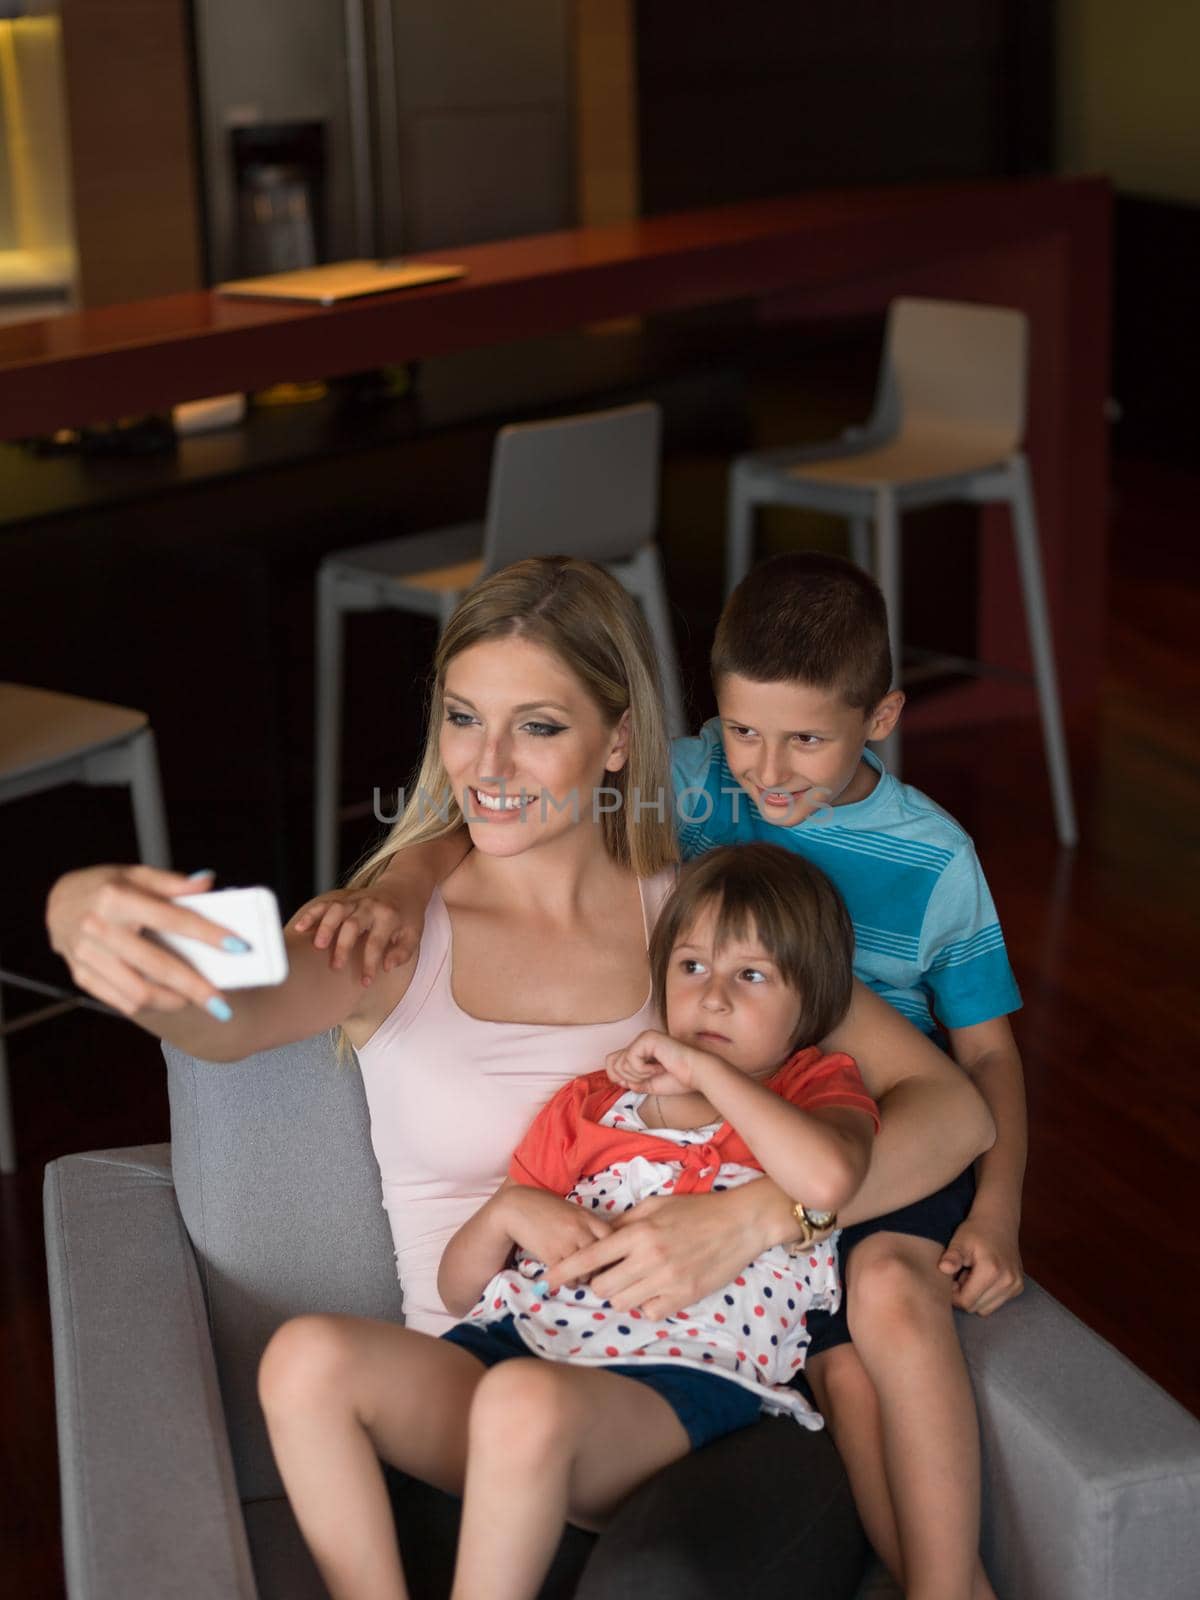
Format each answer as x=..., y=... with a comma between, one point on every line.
x=279, y=1190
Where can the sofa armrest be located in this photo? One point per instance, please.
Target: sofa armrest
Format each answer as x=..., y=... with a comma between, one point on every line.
x=150, y=1505
x=1091, y=1485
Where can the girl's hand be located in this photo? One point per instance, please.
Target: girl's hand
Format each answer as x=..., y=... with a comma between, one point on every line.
x=669, y=1252
x=389, y=920
x=96, y=919
x=656, y=1064
x=984, y=1257
x=542, y=1225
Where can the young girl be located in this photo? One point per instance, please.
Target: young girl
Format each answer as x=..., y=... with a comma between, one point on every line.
x=750, y=958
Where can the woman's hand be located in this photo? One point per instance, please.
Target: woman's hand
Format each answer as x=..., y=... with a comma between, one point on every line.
x=391, y=922
x=97, y=919
x=668, y=1252
x=544, y=1226
x=656, y=1064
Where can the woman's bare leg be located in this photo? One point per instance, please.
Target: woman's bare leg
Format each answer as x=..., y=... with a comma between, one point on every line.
x=847, y=1400
x=338, y=1393
x=902, y=1321
x=548, y=1443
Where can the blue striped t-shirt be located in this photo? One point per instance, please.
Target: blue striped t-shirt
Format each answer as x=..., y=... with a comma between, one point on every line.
x=926, y=934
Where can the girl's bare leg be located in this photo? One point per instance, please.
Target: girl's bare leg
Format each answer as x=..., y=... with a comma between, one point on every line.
x=338, y=1393
x=847, y=1400
x=901, y=1318
x=551, y=1443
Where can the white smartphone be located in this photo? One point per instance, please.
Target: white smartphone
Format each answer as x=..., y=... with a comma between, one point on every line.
x=251, y=914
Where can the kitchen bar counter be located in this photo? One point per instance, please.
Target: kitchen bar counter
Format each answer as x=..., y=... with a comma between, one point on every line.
x=1040, y=244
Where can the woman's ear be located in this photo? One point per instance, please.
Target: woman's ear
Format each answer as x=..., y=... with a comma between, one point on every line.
x=886, y=714
x=618, y=753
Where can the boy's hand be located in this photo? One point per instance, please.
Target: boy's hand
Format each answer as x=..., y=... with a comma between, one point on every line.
x=657, y=1064
x=986, y=1254
x=388, y=919
x=542, y=1225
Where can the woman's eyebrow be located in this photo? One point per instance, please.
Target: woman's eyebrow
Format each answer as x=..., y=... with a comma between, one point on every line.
x=528, y=705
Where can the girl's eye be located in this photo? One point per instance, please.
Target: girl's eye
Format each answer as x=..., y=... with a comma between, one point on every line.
x=691, y=967
x=544, y=730
x=753, y=975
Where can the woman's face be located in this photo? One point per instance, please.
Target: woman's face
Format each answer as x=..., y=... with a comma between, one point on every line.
x=525, y=746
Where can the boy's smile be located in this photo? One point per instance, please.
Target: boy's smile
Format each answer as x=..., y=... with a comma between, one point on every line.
x=795, y=748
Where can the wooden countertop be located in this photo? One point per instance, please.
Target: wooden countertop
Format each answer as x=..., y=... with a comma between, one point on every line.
x=96, y=365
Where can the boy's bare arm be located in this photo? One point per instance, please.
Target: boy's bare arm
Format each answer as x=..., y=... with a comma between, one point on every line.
x=986, y=1244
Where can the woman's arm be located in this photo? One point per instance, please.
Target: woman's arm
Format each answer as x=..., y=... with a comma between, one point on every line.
x=933, y=1121
x=665, y=1253
x=97, y=919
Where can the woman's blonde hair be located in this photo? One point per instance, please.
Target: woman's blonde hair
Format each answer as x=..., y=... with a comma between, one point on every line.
x=582, y=614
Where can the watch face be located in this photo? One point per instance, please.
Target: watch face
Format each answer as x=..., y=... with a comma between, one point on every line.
x=820, y=1219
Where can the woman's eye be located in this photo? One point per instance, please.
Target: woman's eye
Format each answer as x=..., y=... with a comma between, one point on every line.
x=544, y=730
x=459, y=719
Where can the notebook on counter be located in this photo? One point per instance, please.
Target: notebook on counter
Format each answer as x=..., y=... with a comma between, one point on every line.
x=342, y=280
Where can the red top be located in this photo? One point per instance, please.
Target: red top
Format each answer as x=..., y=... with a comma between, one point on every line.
x=568, y=1141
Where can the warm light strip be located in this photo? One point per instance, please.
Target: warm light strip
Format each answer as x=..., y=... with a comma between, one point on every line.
x=36, y=186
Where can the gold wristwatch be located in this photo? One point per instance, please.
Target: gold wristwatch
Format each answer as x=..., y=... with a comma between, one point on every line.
x=810, y=1223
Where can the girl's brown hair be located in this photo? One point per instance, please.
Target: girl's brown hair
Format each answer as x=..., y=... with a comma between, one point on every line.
x=799, y=918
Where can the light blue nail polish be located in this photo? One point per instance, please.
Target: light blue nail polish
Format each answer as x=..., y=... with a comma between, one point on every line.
x=235, y=946
x=216, y=1007
x=205, y=872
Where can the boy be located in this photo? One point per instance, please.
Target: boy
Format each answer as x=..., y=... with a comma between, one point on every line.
x=802, y=673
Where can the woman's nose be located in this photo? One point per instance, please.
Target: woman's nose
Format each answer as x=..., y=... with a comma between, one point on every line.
x=495, y=758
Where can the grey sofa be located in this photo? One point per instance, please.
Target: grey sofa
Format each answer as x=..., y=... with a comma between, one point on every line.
x=170, y=1266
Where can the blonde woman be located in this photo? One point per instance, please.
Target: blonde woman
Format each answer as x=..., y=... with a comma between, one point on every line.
x=546, y=739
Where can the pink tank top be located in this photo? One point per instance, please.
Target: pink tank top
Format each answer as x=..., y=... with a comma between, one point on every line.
x=451, y=1097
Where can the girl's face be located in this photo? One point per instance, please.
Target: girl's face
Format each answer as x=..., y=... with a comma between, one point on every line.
x=732, y=1002
x=525, y=746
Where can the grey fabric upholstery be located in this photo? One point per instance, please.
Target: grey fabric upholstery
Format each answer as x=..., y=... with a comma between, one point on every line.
x=1092, y=1474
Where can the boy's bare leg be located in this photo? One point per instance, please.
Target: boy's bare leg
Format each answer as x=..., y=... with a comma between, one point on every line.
x=901, y=1318
x=338, y=1393
x=847, y=1400
x=548, y=1443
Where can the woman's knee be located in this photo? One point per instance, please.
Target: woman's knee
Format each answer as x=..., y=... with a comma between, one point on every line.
x=524, y=1408
x=895, y=1287
x=307, y=1360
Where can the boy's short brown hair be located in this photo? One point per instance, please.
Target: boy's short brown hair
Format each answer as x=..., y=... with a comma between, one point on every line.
x=807, y=618
x=796, y=913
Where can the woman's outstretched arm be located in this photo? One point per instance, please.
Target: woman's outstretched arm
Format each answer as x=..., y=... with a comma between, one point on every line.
x=97, y=920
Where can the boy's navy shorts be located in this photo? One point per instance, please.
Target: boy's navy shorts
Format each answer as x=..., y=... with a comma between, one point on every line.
x=936, y=1217
x=707, y=1405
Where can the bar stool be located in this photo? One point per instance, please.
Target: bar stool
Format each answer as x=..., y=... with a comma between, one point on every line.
x=583, y=486
x=948, y=423
x=47, y=740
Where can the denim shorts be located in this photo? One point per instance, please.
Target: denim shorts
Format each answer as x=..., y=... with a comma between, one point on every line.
x=936, y=1218
x=707, y=1405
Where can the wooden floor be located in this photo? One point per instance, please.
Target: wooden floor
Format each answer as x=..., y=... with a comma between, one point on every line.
x=1105, y=946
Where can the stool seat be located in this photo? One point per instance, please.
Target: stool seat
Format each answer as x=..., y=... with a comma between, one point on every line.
x=48, y=740
x=40, y=728
x=584, y=486
x=948, y=422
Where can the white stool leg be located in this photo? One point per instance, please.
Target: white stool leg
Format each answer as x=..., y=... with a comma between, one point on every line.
x=8, y=1140
x=149, y=817
x=739, y=528
x=887, y=575
x=643, y=578
x=328, y=735
x=860, y=542
x=1037, y=620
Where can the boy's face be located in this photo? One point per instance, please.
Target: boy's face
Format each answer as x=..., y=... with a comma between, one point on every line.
x=730, y=1000
x=795, y=748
